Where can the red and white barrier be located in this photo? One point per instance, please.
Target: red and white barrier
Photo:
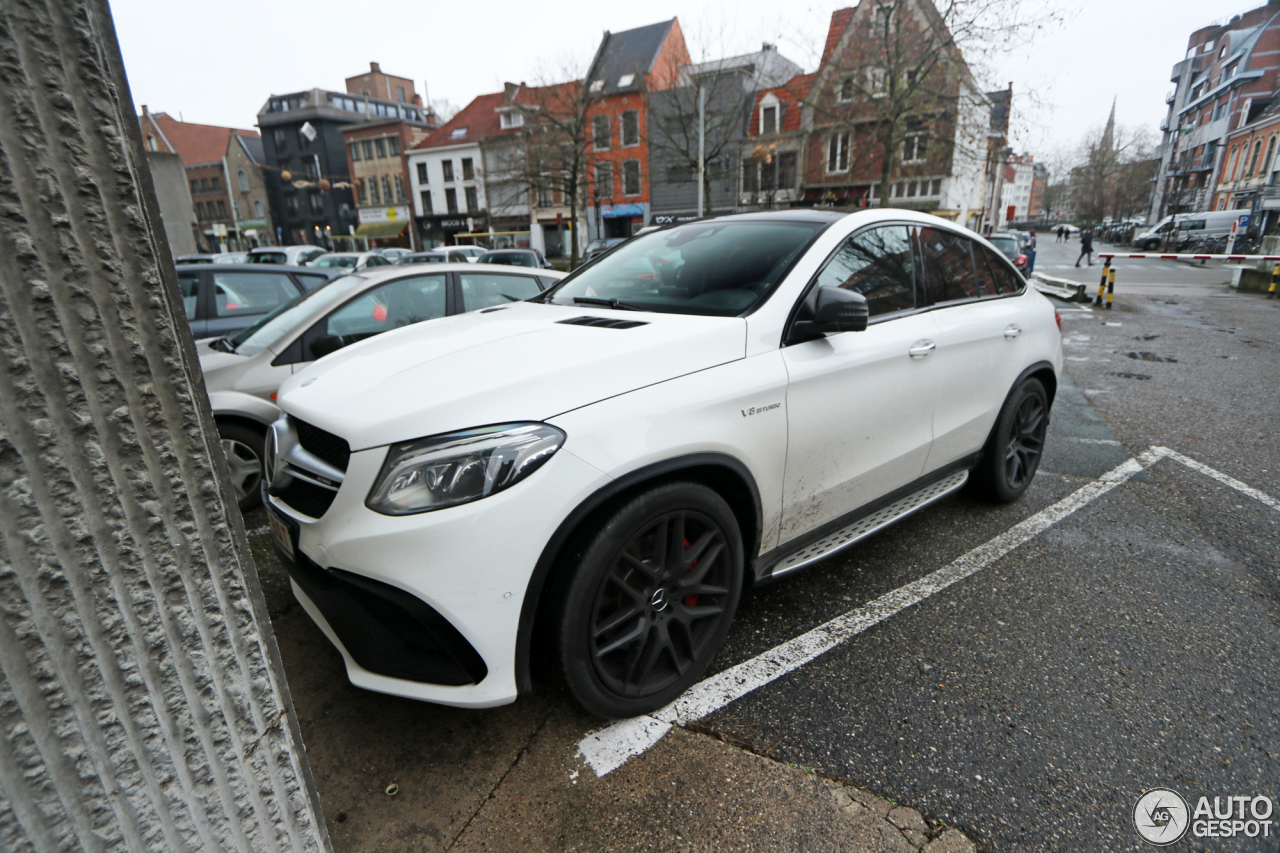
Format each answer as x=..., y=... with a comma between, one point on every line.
x=1190, y=257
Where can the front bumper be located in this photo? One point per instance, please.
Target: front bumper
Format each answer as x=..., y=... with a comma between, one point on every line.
x=428, y=606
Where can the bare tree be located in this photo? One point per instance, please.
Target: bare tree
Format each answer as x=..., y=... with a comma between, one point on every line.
x=1111, y=175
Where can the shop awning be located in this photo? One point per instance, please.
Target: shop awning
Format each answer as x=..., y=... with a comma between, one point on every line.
x=382, y=229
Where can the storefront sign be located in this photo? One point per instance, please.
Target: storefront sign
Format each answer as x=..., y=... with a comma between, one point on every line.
x=384, y=214
x=611, y=211
x=677, y=218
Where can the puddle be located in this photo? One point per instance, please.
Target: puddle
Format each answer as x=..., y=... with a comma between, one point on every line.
x=1132, y=375
x=1150, y=356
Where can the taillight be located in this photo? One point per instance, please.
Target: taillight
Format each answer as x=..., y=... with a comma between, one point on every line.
x=1021, y=261
x=1057, y=317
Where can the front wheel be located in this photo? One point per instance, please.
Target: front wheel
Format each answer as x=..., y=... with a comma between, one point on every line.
x=647, y=600
x=1012, y=455
x=243, y=448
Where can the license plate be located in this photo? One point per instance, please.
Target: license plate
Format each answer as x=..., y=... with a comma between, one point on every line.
x=283, y=536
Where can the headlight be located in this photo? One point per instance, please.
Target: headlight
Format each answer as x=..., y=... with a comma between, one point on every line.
x=458, y=467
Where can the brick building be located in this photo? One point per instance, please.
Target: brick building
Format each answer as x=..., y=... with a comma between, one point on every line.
x=626, y=68
x=1225, y=82
x=377, y=157
x=224, y=172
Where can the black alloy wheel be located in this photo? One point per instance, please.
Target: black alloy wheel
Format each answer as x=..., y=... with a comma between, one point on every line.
x=1012, y=455
x=650, y=600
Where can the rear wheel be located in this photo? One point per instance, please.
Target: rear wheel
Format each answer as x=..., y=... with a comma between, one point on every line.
x=648, y=599
x=243, y=448
x=1012, y=455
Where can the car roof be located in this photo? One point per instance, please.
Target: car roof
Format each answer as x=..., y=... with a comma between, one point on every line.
x=255, y=268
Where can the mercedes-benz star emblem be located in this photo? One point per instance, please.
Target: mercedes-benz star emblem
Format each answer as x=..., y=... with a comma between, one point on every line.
x=659, y=600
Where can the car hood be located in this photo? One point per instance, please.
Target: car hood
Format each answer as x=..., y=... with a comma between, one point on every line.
x=222, y=369
x=519, y=363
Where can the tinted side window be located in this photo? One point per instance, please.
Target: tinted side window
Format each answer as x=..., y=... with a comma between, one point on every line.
x=310, y=281
x=948, y=265
x=1006, y=280
x=189, y=284
x=986, y=279
x=238, y=294
x=402, y=302
x=485, y=290
x=877, y=264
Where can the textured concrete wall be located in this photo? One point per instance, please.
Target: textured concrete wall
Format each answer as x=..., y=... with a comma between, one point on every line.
x=142, y=703
x=173, y=194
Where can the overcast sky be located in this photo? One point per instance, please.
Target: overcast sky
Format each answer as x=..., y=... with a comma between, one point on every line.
x=216, y=64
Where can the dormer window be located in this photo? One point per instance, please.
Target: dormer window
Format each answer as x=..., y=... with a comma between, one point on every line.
x=597, y=85
x=511, y=119
x=769, y=119
x=626, y=80
x=458, y=133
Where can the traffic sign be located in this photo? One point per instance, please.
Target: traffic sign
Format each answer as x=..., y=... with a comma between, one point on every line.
x=1244, y=220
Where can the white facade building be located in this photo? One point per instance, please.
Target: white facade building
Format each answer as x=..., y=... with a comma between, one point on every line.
x=447, y=183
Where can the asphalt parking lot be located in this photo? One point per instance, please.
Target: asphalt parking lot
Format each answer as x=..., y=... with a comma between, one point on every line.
x=1127, y=644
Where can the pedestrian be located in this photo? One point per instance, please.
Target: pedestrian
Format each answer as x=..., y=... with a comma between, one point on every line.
x=1057, y=233
x=1086, y=246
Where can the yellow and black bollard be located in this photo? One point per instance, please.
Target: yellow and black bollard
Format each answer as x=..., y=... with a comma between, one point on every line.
x=1102, y=285
x=1111, y=288
x=1275, y=272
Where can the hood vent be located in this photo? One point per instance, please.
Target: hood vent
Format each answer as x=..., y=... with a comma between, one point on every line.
x=603, y=322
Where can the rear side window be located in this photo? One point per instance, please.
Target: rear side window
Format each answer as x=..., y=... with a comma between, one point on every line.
x=1004, y=279
x=238, y=294
x=269, y=258
x=948, y=265
x=189, y=284
x=483, y=290
x=311, y=281
x=877, y=264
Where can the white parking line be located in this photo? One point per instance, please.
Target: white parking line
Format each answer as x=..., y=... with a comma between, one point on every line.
x=609, y=748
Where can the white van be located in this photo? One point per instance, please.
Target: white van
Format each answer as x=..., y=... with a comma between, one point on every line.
x=1212, y=223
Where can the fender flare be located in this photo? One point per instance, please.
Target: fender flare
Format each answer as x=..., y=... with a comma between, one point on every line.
x=238, y=404
x=658, y=470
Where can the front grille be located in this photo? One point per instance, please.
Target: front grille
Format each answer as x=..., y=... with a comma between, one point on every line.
x=306, y=498
x=325, y=445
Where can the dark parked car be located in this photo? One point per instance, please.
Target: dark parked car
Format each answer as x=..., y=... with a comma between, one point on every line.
x=516, y=258
x=222, y=299
x=1011, y=247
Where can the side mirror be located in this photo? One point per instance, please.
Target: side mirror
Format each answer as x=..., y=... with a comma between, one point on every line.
x=840, y=310
x=326, y=344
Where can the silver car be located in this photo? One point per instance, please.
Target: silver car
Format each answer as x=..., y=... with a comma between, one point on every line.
x=243, y=372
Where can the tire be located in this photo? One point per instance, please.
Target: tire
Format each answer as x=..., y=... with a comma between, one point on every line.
x=647, y=600
x=1013, y=452
x=242, y=446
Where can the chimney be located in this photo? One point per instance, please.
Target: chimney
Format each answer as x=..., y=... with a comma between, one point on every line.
x=144, y=110
x=373, y=66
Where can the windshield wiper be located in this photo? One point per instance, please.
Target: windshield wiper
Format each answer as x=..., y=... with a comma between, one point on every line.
x=223, y=345
x=607, y=303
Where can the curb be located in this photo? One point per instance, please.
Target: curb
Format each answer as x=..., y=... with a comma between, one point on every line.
x=1061, y=288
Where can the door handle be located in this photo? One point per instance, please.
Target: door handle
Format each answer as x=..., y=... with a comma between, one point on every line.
x=1012, y=331
x=921, y=348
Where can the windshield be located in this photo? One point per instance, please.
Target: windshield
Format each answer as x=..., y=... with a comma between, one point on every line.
x=718, y=267
x=1008, y=245
x=268, y=258
x=284, y=319
x=343, y=261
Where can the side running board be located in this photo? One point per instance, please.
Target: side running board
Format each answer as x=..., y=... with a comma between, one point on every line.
x=863, y=527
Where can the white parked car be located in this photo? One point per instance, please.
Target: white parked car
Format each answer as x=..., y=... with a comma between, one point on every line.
x=351, y=260
x=242, y=372
x=298, y=256
x=588, y=481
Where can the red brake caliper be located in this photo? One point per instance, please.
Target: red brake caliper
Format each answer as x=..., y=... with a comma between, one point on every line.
x=690, y=600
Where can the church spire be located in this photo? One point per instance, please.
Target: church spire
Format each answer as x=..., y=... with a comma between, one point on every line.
x=1109, y=135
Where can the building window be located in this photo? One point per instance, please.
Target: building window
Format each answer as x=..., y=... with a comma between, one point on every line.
x=937, y=187
x=386, y=189
x=915, y=148
x=911, y=189
x=447, y=166
x=291, y=205
x=769, y=119
x=601, y=133
x=200, y=211
x=875, y=82
x=195, y=187
x=631, y=177
x=372, y=182
x=317, y=203
x=630, y=128
x=215, y=185
x=875, y=191
x=278, y=136
x=355, y=152
x=604, y=180
x=511, y=118
x=242, y=177
x=884, y=18
x=398, y=181
x=473, y=202
x=380, y=146
x=425, y=196
x=257, y=208
x=846, y=90
x=451, y=200
x=400, y=93
x=151, y=143
x=544, y=197
x=468, y=169
x=750, y=175
x=786, y=170
x=393, y=146
x=422, y=173
x=838, y=152
x=222, y=209
x=367, y=145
